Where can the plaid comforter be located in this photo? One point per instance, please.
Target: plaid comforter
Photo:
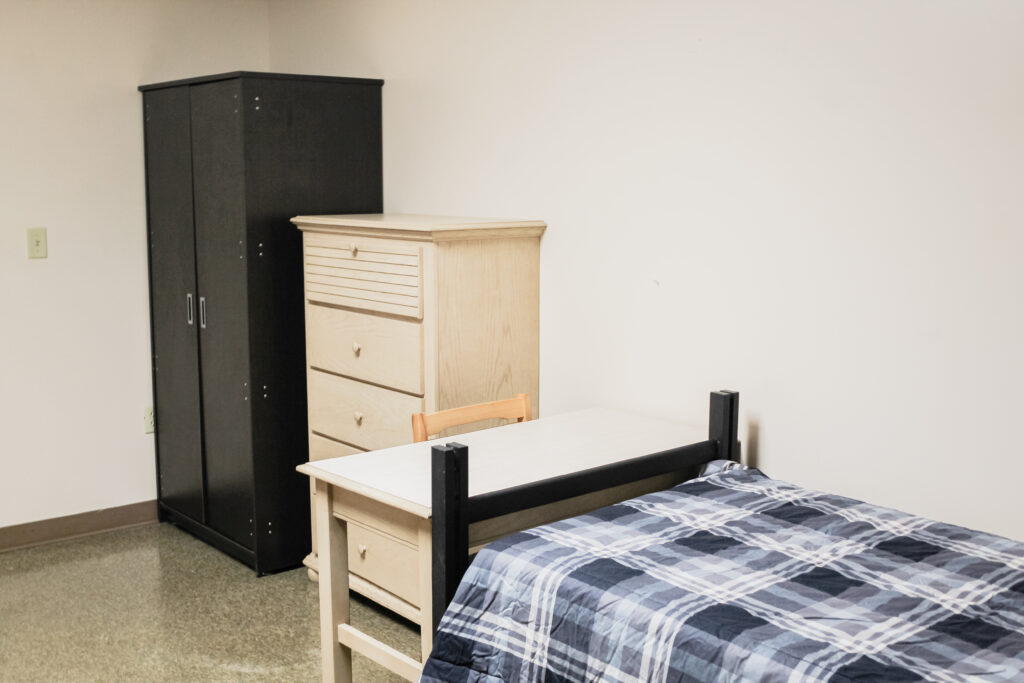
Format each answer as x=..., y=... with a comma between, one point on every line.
x=737, y=576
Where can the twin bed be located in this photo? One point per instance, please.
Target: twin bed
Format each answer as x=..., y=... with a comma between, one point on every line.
x=729, y=576
x=665, y=576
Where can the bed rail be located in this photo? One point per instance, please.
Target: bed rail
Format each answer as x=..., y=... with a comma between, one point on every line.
x=453, y=510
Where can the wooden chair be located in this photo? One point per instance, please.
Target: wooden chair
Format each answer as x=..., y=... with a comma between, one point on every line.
x=424, y=424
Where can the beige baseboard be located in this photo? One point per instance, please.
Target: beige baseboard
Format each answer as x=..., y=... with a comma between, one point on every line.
x=73, y=526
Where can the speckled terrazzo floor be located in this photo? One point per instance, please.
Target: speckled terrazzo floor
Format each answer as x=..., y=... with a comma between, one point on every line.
x=155, y=604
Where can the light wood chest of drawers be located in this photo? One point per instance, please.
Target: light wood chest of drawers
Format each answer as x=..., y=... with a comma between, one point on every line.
x=406, y=314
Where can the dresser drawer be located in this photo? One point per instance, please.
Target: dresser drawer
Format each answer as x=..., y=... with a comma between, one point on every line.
x=381, y=350
x=322, y=449
x=360, y=414
x=363, y=273
x=384, y=561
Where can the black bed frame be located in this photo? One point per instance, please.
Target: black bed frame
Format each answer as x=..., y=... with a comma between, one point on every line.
x=453, y=511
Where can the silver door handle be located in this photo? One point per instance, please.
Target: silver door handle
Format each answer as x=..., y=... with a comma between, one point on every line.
x=202, y=312
x=188, y=298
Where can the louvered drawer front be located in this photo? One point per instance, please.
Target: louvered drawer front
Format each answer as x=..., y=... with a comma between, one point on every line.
x=370, y=347
x=384, y=561
x=360, y=414
x=366, y=274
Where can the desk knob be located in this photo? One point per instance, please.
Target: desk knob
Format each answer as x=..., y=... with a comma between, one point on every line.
x=362, y=550
x=354, y=248
x=356, y=348
x=358, y=417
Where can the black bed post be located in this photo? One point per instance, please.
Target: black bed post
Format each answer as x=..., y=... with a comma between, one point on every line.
x=723, y=425
x=450, y=523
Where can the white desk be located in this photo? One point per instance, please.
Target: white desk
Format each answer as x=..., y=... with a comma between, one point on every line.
x=374, y=510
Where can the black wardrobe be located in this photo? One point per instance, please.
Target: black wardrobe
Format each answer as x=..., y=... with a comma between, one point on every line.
x=229, y=160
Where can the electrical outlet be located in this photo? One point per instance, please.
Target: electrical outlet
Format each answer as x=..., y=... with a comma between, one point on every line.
x=37, y=242
x=148, y=420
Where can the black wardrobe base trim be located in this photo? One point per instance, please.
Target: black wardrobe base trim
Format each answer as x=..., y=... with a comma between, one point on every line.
x=208, y=535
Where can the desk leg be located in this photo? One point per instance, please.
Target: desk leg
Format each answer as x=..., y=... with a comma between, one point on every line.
x=426, y=588
x=332, y=550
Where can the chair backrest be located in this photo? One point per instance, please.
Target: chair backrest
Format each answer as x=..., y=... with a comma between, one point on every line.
x=424, y=424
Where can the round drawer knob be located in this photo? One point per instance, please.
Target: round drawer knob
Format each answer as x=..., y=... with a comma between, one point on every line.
x=362, y=550
x=356, y=348
x=358, y=417
x=354, y=248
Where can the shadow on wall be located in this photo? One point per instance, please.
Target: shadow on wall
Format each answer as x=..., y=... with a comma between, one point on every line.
x=749, y=452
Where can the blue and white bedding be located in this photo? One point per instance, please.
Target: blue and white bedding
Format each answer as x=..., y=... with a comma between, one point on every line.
x=736, y=576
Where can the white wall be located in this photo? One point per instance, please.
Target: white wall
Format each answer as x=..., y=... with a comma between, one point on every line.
x=815, y=203
x=74, y=330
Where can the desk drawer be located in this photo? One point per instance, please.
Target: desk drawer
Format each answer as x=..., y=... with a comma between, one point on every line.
x=381, y=350
x=383, y=561
x=364, y=273
x=358, y=413
x=378, y=516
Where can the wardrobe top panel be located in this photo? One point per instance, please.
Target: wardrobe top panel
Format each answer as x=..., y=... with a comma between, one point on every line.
x=422, y=227
x=261, y=74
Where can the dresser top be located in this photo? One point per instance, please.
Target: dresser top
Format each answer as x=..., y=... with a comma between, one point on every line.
x=417, y=226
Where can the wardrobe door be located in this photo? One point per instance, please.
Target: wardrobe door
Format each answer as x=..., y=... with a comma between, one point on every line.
x=219, y=203
x=173, y=299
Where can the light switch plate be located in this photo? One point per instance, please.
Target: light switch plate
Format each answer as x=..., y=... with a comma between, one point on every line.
x=37, y=242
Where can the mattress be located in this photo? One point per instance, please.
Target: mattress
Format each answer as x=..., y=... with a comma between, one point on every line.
x=736, y=576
